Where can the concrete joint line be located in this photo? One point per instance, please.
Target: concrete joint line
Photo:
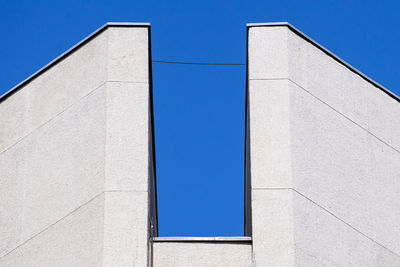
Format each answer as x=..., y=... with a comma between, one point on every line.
x=337, y=111
x=71, y=212
x=70, y=51
x=326, y=51
x=329, y=212
x=52, y=118
x=53, y=224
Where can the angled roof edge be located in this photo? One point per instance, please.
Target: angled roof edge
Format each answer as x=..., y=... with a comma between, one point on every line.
x=69, y=51
x=326, y=51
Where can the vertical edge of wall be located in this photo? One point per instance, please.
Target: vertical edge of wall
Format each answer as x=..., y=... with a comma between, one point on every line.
x=153, y=210
x=152, y=149
x=247, y=164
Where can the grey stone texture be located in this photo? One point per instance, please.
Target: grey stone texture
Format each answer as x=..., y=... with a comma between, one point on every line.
x=201, y=254
x=325, y=160
x=74, y=158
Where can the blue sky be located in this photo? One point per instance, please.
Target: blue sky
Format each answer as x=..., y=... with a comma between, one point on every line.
x=199, y=110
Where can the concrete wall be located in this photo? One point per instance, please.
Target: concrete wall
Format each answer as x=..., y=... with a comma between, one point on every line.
x=77, y=162
x=182, y=254
x=74, y=157
x=325, y=157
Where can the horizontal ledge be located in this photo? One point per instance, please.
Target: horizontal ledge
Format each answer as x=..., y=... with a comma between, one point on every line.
x=128, y=24
x=326, y=51
x=70, y=51
x=268, y=24
x=203, y=239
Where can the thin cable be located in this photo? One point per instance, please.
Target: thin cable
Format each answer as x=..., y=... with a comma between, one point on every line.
x=199, y=63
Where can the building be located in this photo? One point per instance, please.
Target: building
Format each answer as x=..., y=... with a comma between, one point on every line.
x=77, y=167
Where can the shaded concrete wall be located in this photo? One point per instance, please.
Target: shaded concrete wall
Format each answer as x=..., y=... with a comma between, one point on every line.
x=182, y=254
x=74, y=157
x=325, y=160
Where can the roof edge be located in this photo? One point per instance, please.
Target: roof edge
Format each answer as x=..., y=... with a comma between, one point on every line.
x=133, y=24
x=69, y=51
x=326, y=51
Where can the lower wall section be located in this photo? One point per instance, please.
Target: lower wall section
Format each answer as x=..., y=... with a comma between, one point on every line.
x=109, y=230
x=76, y=240
x=125, y=229
x=291, y=229
x=322, y=239
x=176, y=254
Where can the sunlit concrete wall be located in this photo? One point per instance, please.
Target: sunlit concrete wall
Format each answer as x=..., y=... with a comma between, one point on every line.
x=74, y=157
x=76, y=161
x=325, y=157
x=201, y=254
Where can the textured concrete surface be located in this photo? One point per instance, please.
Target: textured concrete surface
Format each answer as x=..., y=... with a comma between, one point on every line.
x=53, y=91
x=75, y=135
x=52, y=171
x=322, y=239
x=127, y=128
x=273, y=229
x=270, y=130
x=126, y=59
x=279, y=53
x=198, y=254
x=324, y=157
x=74, y=240
x=126, y=229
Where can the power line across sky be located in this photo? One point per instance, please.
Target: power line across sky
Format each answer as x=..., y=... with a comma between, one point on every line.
x=199, y=63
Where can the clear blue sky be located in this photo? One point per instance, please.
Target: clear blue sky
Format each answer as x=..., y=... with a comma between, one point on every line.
x=199, y=110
